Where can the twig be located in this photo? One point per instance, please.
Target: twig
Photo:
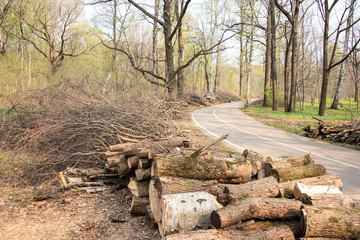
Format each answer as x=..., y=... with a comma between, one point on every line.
x=202, y=149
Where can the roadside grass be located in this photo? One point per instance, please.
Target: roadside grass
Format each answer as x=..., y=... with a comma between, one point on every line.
x=295, y=122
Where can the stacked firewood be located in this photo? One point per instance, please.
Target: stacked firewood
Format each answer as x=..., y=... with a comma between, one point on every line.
x=248, y=196
x=345, y=132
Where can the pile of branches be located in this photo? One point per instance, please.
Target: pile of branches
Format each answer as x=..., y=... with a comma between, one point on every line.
x=65, y=126
x=344, y=132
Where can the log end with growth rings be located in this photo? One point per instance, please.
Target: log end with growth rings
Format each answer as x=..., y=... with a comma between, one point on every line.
x=215, y=219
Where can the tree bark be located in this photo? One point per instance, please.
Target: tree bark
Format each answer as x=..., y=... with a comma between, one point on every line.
x=192, y=210
x=256, y=208
x=138, y=205
x=275, y=233
x=294, y=225
x=264, y=188
x=293, y=173
x=203, y=168
x=286, y=188
x=139, y=189
x=330, y=222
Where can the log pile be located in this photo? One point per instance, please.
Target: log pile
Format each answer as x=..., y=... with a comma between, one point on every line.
x=346, y=132
x=245, y=197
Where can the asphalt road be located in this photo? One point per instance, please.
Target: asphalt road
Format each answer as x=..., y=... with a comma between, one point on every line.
x=247, y=133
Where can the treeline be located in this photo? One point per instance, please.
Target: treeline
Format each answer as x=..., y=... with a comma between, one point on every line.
x=307, y=49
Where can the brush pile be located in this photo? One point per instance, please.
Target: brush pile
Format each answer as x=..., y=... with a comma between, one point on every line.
x=345, y=132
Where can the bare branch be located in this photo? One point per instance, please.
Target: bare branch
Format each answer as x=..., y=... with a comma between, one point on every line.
x=147, y=13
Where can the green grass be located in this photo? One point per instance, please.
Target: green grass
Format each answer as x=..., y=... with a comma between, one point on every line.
x=295, y=122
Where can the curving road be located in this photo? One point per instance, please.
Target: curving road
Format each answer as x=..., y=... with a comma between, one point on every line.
x=247, y=133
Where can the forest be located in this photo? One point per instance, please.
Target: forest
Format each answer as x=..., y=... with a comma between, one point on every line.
x=284, y=51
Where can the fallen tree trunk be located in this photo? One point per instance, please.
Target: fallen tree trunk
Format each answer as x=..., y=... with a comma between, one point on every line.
x=275, y=233
x=285, y=174
x=160, y=146
x=256, y=208
x=138, y=205
x=202, y=168
x=286, y=188
x=185, y=211
x=330, y=222
x=333, y=201
x=139, y=189
x=263, y=188
x=302, y=190
x=171, y=185
x=287, y=162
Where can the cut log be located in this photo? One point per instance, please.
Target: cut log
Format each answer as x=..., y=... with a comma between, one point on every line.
x=334, y=201
x=111, y=154
x=123, y=169
x=202, y=168
x=288, y=163
x=143, y=174
x=286, y=188
x=110, y=170
x=120, y=147
x=144, y=163
x=115, y=160
x=133, y=162
x=185, y=211
x=170, y=185
x=254, y=156
x=275, y=233
x=294, y=225
x=138, y=205
x=264, y=188
x=331, y=222
x=293, y=173
x=256, y=208
x=309, y=191
x=139, y=189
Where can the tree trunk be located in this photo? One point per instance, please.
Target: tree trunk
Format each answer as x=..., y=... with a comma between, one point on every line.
x=267, y=61
x=293, y=173
x=294, y=225
x=330, y=222
x=273, y=56
x=139, y=189
x=169, y=51
x=171, y=185
x=181, y=52
x=286, y=188
x=294, y=57
x=326, y=70
x=334, y=201
x=138, y=205
x=264, y=188
x=192, y=210
x=203, y=168
x=256, y=208
x=274, y=233
x=286, y=72
x=345, y=48
x=155, y=43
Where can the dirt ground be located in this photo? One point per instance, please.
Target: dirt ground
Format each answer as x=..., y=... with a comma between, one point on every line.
x=71, y=215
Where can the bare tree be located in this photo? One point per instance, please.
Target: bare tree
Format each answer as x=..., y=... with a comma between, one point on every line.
x=273, y=56
x=5, y=28
x=50, y=29
x=345, y=48
x=329, y=61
